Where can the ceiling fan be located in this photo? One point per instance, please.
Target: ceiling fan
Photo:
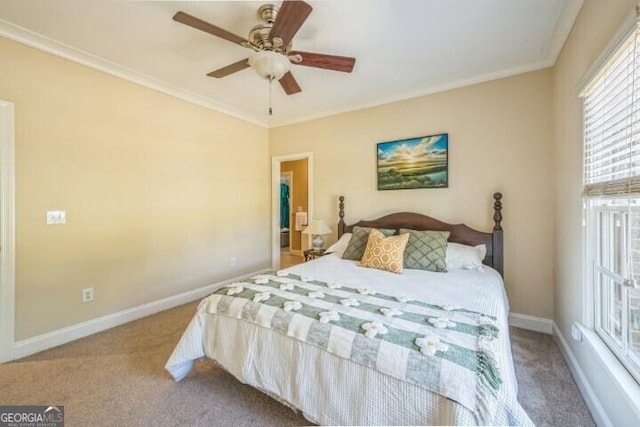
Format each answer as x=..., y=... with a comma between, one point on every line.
x=271, y=42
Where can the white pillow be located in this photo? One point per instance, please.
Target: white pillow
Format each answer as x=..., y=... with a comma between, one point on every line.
x=340, y=246
x=464, y=256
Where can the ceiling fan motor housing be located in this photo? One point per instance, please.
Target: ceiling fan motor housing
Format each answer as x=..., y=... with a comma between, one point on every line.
x=259, y=36
x=268, y=13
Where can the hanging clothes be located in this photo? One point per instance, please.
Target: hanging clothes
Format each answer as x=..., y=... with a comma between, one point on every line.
x=284, y=206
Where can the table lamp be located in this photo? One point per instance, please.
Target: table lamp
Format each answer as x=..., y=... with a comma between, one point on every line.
x=317, y=228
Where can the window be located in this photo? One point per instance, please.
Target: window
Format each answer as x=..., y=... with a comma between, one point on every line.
x=612, y=201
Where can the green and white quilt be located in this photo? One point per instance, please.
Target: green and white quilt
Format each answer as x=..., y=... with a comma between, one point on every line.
x=442, y=348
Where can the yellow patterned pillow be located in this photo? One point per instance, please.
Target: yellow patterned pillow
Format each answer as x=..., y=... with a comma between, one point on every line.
x=384, y=253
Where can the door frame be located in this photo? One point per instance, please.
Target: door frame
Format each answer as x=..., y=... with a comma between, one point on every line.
x=7, y=230
x=275, y=200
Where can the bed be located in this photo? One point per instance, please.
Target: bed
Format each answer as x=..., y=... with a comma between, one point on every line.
x=349, y=345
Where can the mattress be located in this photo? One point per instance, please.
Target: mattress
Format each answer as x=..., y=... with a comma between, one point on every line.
x=332, y=390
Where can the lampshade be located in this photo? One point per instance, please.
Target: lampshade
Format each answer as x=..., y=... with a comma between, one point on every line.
x=317, y=227
x=270, y=64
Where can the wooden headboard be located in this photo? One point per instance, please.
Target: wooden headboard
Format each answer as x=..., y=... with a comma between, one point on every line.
x=460, y=233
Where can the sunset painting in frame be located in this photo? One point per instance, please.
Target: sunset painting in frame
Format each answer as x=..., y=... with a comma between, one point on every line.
x=414, y=163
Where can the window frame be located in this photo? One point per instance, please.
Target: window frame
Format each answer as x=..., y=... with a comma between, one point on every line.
x=623, y=350
x=591, y=302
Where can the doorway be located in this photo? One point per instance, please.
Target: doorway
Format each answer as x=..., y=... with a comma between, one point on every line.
x=289, y=219
x=288, y=254
x=7, y=239
x=286, y=202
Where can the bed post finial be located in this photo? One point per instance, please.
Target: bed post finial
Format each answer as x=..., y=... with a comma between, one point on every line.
x=341, y=224
x=497, y=211
x=497, y=246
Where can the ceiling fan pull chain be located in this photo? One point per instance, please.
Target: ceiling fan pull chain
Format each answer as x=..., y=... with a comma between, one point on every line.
x=270, y=87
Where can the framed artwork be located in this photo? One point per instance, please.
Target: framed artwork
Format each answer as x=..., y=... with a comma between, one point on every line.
x=421, y=162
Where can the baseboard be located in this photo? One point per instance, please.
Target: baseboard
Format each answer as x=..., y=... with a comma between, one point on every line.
x=531, y=323
x=593, y=403
x=80, y=330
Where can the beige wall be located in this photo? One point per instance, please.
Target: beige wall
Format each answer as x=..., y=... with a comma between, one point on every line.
x=300, y=196
x=150, y=185
x=499, y=140
x=596, y=26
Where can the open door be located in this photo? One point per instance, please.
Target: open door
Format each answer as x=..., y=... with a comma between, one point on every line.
x=296, y=171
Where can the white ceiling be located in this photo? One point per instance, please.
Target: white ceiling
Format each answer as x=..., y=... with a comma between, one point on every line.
x=404, y=48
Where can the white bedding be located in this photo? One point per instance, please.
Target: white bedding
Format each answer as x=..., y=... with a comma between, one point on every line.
x=331, y=390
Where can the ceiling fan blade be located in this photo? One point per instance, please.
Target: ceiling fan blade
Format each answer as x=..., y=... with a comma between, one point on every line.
x=290, y=18
x=328, y=62
x=289, y=84
x=192, y=21
x=230, y=69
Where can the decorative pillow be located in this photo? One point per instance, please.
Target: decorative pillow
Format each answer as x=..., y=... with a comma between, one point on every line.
x=358, y=242
x=464, y=256
x=340, y=246
x=426, y=250
x=384, y=253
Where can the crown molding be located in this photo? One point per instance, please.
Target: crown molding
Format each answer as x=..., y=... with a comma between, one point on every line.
x=429, y=90
x=46, y=44
x=563, y=25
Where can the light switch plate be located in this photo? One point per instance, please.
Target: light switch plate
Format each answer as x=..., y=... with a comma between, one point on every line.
x=56, y=217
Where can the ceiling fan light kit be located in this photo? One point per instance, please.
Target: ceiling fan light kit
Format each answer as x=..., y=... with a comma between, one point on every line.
x=269, y=64
x=272, y=44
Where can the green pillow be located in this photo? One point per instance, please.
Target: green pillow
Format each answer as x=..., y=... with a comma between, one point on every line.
x=358, y=242
x=426, y=250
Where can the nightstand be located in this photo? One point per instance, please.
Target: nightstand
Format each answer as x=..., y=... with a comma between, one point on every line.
x=310, y=254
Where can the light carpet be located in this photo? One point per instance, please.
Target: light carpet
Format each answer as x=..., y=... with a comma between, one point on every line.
x=117, y=378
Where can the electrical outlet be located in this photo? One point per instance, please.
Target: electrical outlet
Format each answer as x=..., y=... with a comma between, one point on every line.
x=233, y=261
x=87, y=295
x=576, y=333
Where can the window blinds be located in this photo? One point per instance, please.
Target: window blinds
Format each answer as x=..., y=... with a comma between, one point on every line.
x=612, y=125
